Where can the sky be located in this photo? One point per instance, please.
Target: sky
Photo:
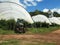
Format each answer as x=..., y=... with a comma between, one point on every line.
x=42, y=5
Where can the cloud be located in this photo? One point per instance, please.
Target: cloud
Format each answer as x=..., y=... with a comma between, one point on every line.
x=23, y=5
x=56, y=10
x=52, y=10
x=39, y=0
x=30, y=2
x=45, y=10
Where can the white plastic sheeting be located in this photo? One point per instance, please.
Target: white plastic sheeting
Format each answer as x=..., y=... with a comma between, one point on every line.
x=16, y=1
x=58, y=18
x=55, y=20
x=40, y=18
x=11, y=9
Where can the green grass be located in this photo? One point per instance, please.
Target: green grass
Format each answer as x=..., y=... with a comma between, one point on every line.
x=42, y=44
x=6, y=31
x=10, y=42
x=42, y=30
x=23, y=42
x=32, y=30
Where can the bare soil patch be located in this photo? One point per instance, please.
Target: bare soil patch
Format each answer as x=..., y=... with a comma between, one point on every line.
x=51, y=37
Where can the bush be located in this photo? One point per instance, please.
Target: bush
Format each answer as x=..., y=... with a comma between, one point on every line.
x=53, y=24
x=39, y=24
x=3, y=24
x=45, y=24
x=9, y=24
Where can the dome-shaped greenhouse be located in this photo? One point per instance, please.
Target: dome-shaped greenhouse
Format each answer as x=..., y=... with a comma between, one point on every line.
x=41, y=18
x=11, y=9
x=54, y=20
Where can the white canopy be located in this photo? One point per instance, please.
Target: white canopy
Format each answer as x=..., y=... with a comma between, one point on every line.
x=11, y=9
x=16, y=1
x=55, y=20
x=40, y=18
x=58, y=18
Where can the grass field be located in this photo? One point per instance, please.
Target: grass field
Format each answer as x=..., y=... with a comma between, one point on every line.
x=42, y=30
x=3, y=32
x=32, y=30
x=23, y=42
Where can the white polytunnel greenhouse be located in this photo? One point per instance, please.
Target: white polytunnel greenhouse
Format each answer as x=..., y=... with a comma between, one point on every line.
x=40, y=18
x=11, y=9
x=58, y=18
x=55, y=20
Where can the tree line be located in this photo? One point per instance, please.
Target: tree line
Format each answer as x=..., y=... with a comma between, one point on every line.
x=36, y=12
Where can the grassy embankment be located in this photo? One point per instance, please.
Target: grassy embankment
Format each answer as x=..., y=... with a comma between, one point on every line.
x=42, y=30
x=32, y=30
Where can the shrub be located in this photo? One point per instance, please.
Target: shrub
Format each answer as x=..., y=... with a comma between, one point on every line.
x=39, y=24
x=9, y=24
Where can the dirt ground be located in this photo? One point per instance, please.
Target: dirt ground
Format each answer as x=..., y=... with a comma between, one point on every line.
x=51, y=37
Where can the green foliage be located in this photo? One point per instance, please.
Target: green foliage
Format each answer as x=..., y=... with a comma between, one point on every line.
x=36, y=12
x=40, y=24
x=9, y=24
x=26, y=24
x=24, y=42
x=42, y=30
x=56, y=14
x=41, y=44
x=53, y=24
x=3, y=32
x=10, y=42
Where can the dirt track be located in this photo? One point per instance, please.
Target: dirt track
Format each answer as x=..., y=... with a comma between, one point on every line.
x=51, y=37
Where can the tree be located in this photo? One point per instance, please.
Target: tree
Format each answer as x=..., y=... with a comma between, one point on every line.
x=56, y=14
x=36, y=12
x=7, y=24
